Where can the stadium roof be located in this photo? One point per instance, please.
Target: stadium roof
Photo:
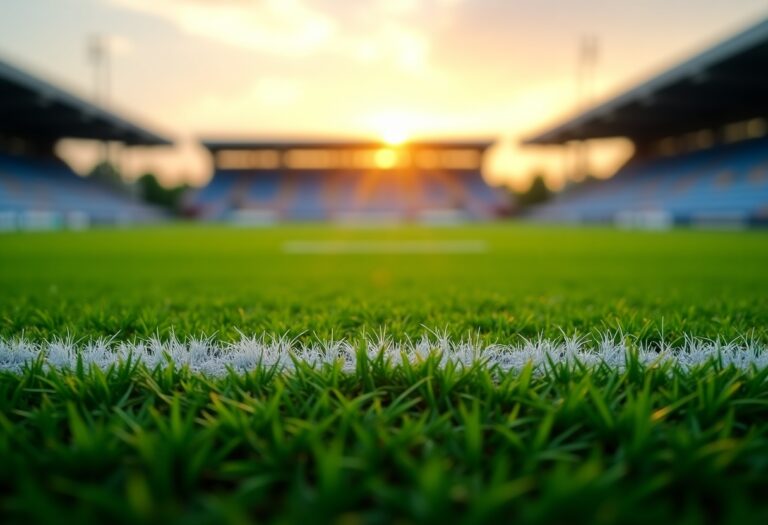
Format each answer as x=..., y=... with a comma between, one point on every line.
x=34, y=108
x=725, y=83
x=246, y=144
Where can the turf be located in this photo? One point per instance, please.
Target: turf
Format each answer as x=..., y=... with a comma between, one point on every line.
x=413, y=442
x=532, y=281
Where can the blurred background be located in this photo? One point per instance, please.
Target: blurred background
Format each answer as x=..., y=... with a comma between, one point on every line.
x=383, y=111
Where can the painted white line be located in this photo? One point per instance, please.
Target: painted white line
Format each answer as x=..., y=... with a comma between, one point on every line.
x=332, y=247
x=210, y=357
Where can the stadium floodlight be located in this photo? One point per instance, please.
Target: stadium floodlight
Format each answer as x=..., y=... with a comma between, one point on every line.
x=98, y=54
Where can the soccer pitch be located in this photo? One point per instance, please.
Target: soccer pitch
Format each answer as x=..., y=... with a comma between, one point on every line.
x=316, y=373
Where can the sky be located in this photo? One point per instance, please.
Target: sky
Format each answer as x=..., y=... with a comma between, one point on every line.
x=497, y=69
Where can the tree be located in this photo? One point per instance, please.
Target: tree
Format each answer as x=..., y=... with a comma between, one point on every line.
x=537, y=193
x=107, y=175
x=152, y=192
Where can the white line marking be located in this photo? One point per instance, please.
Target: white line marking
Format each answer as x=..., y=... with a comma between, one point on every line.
x=209, y=357
x=379, y=246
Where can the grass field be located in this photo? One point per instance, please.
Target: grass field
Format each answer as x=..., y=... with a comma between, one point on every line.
x=530, y=281
x=412, y=441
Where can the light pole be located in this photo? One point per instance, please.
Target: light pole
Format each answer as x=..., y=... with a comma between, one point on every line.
x=98, y=54
x=585, y=87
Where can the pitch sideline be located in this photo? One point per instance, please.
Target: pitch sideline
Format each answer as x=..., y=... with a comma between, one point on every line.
x=211, y=357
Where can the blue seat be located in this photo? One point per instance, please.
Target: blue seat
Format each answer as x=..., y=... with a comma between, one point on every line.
x=31, y=184
x=713, y=181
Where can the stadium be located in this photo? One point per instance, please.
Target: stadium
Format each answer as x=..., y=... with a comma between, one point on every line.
x=334, y=329
x=698, y=132
x=38, y=190
x=700, y=152
x=348, y=181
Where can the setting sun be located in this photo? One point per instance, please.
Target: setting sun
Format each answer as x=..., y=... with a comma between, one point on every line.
x=394, y=136
x=394, y=126
x=386, y=158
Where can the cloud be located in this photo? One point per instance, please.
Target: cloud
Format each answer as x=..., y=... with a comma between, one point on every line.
x=399, y=7
x=270, y=98
x=279, y=27
x=405, y=47
x=395, y=32
x=276, y=91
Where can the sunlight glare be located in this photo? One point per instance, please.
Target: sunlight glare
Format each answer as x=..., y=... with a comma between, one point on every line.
x=386, y=158
x=394, y=136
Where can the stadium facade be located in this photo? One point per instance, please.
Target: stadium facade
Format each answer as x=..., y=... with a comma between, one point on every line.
x=263, y=181
x=37, y=189
x=701, y=152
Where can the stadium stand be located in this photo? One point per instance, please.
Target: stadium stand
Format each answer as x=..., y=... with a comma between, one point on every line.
x=37, y=189
x=313, y=180
x=701, y=152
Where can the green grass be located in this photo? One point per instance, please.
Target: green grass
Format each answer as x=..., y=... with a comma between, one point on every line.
x=410, y=443
x=138, y=283
x=416, y=444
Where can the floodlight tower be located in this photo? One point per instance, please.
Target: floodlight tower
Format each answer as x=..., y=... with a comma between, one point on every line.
x=98, y=54
x=588, y=55
x=585, y=88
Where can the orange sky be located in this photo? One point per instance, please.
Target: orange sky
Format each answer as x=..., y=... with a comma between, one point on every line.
x=421, y=68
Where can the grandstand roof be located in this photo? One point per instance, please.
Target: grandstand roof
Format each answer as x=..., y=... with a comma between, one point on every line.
x=250, y=144
x=725, y=83
x=34, y=108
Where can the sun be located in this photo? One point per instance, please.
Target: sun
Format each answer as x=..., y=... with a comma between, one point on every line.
x=393, y=126
x=386, y=158
x=394, y=136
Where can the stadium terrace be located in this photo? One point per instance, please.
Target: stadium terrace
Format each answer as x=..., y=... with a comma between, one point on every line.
x=37, y=189
x=347, y=181
x=701, y=156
